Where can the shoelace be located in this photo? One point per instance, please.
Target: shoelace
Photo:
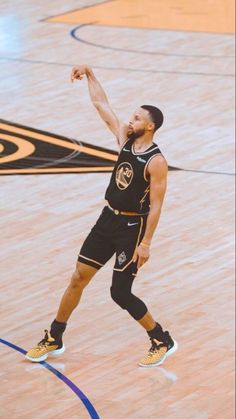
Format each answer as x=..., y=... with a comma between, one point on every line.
x=46, y=340
x=154, y=348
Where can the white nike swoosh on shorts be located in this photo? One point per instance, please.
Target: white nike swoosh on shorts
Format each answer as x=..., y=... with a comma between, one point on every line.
x=132, y=224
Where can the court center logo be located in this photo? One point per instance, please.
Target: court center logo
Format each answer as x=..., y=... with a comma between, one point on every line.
x=124, y=175
x=25, y=150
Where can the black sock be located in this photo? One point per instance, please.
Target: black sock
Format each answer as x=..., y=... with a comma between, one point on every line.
x=57, y=329
x=157, y=333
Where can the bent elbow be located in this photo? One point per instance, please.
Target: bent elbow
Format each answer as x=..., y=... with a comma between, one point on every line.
x=97, y=104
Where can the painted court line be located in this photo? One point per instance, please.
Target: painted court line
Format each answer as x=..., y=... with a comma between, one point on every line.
x=91, y=410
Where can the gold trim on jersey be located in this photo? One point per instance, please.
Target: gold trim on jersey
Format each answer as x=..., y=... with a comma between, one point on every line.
x=143, y=152
x=127, y=213
x=147, y=190
x=146, y=165
x=137, y=242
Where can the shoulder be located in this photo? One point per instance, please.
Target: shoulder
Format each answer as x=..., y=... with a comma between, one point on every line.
x=157, y=166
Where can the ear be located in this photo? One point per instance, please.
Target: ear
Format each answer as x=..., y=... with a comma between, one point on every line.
x=151, y=126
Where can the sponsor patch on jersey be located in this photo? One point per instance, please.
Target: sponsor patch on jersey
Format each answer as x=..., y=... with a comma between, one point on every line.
x=124, y=175
x=142, y=160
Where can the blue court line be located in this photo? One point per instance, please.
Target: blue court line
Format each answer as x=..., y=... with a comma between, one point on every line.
x=91, y=410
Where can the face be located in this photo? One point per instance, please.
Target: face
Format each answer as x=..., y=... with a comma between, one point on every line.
x=139, y=124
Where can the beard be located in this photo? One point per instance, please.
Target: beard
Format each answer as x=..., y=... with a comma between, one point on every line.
x=133, y=135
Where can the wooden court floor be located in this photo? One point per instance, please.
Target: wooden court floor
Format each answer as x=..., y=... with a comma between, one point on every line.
x=180, y=56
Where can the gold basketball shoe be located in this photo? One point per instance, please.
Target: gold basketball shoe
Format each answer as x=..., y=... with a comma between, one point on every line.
x=158, y=352
x=47, y=346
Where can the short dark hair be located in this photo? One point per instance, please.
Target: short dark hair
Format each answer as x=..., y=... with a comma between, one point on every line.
x=155, y=114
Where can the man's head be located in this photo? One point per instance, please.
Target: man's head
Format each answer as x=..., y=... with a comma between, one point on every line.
x=146, y=119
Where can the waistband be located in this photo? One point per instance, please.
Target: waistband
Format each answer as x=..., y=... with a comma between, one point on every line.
x=118, y=212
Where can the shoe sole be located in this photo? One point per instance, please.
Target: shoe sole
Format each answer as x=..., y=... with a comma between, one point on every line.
x=168, y=353
x=45, y=356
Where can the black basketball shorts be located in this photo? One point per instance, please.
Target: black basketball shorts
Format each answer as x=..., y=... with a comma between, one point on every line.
x=119, y=234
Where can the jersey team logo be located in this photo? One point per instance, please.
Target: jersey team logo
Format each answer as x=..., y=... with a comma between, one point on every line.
x=124, y=175
x=122, y=258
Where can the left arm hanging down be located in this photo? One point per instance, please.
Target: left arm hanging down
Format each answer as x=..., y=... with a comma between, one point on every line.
x=157, y=170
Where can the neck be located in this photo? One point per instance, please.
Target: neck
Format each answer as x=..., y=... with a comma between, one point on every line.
x=142, y=143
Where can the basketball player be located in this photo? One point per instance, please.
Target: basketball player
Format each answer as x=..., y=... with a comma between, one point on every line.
x=125, y=227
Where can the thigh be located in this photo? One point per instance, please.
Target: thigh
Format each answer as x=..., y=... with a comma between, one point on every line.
x=86, y=272
x=97, y=248
x=131, y=232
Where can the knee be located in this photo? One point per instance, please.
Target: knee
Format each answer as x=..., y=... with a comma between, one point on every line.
x=79, y=280
x=119, y=297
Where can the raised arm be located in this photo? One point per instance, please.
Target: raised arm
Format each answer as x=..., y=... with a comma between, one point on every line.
x=100, y=101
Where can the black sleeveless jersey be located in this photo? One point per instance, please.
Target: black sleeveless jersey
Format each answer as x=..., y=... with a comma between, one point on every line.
x=129, y=186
